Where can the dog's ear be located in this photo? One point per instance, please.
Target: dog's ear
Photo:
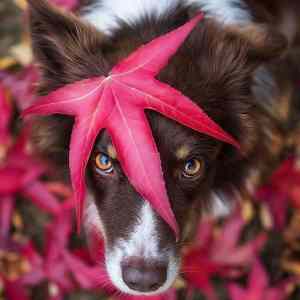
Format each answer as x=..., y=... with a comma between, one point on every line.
x=64, y=47
x=264, y=42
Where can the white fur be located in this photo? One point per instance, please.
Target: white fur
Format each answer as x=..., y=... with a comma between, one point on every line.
x=226, y=11
x=220, y=207
x=143, y=242
x=105, y=14
x=92, y=218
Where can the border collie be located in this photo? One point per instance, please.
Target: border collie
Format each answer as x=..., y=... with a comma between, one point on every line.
x=227, y=66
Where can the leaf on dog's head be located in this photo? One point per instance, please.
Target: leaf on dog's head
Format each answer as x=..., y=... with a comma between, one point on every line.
x=117, y=103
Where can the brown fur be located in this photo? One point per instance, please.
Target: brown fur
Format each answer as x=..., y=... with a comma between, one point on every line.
x=223, y=69
x=67, y=49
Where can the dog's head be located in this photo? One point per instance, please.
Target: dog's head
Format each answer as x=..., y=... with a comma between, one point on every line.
x=215, y=67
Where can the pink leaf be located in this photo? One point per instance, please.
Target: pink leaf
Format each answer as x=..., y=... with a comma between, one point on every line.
x=12, y=179
x=19, y=169
x=15, y=291
x=88, y=277
x=258, y=287
x=22, y=86
x=226, y=250
x=219, y=254
x=236, y=292
x=6, y=114
x=37, y=273
x=6, y=209
x=117, y=103
x=281, y=188
x=67, y=4
x=57, y=234
x=258, y=277
x=38, y=194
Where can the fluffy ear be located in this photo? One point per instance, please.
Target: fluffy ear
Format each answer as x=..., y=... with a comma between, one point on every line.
x=264, y=42
x=65, y=47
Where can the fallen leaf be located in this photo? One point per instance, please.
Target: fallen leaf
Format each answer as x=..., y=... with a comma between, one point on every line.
x=258, y=287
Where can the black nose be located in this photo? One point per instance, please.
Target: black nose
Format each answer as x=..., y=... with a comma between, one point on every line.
x=143, y=275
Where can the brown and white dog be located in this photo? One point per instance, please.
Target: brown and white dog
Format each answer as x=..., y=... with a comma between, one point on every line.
x=229, y=65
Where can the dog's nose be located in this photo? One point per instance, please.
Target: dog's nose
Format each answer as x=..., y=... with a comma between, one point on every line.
x=143, y=275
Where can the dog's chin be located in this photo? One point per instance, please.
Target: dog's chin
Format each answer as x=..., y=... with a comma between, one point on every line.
x=113, y=267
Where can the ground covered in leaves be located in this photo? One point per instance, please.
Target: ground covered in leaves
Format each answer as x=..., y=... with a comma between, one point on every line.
x=252, y=255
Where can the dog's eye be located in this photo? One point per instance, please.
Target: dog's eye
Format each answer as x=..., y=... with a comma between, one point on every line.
x=104, y=163
x=193, y=167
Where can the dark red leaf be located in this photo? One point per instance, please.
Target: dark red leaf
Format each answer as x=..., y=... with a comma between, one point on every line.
x=258, y=287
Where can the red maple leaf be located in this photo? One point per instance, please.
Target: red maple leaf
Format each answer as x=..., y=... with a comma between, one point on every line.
x=220, y=254
x=117, y=103
x=6, y=114
x=19, y=171
x=13, y=290
x=21, y=85
x=61, y=267
x=258, y=287
x=281, y=190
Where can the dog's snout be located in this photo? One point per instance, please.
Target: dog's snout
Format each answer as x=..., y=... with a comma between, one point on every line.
x=144, y=275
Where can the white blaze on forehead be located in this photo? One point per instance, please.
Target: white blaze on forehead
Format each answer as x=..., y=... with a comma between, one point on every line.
x=106, y=14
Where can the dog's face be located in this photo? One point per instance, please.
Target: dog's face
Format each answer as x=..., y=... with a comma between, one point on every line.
x=215, y=68
x=141, y=252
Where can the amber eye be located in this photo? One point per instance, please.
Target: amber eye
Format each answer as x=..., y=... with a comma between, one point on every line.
x=193, y=168
x=104, y=163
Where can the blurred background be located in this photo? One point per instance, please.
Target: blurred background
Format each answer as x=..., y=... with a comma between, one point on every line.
x=254, y=254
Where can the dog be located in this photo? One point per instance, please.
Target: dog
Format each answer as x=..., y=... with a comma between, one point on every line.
x=229, y=65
